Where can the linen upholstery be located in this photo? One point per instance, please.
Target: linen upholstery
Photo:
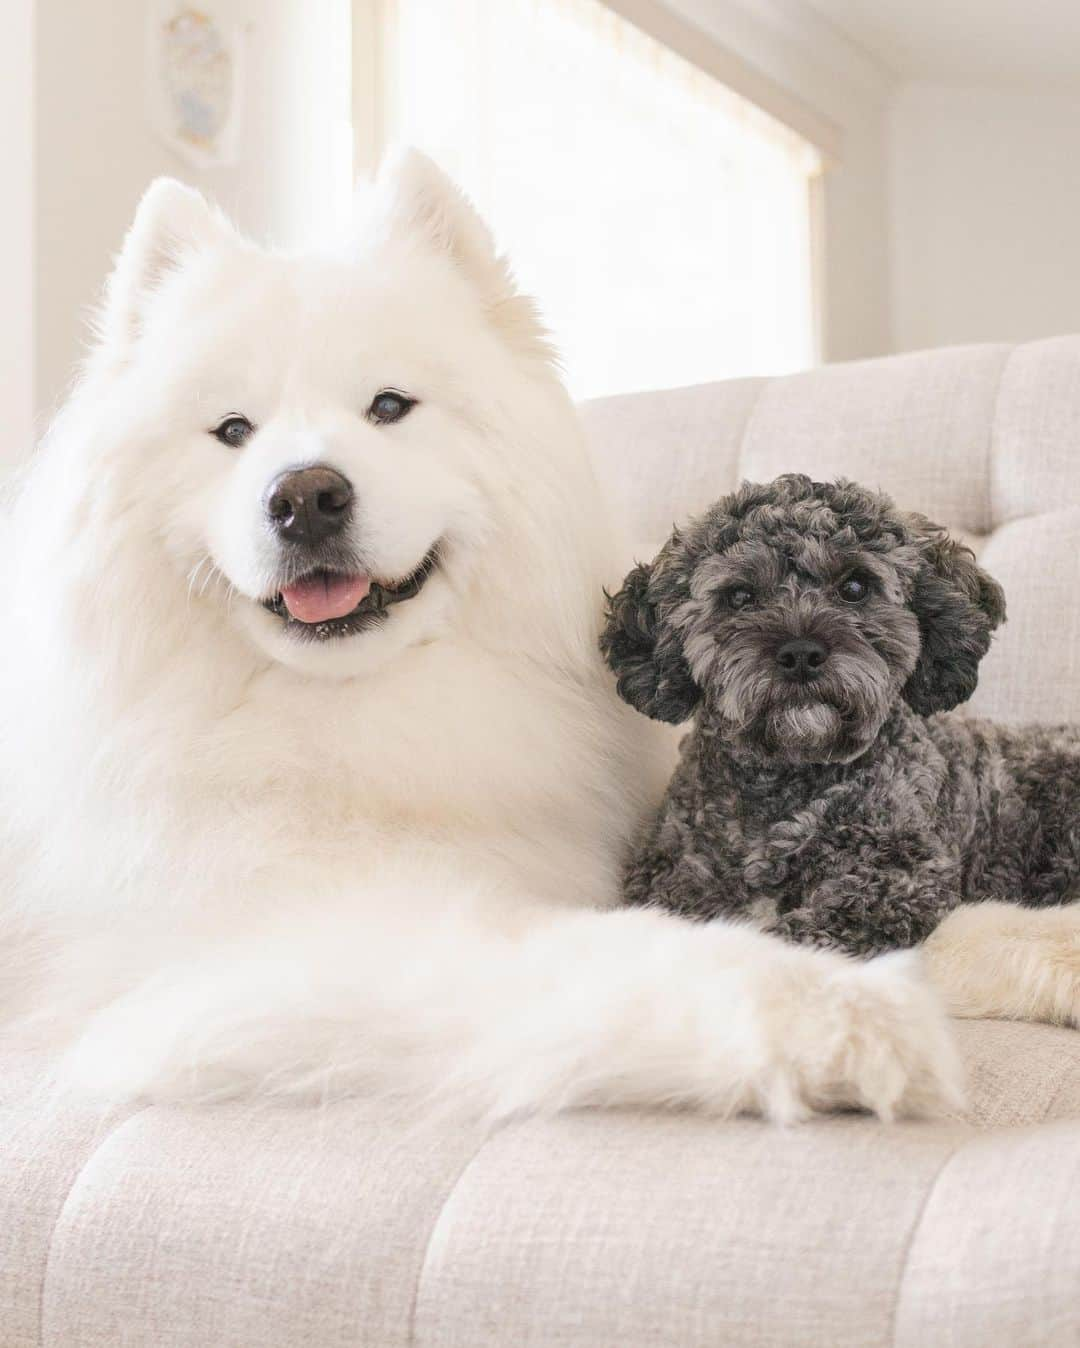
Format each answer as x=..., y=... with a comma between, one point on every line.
x=261, y=1227
x=249, y=1226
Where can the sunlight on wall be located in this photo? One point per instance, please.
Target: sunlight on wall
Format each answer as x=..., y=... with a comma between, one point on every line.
x=662, y=221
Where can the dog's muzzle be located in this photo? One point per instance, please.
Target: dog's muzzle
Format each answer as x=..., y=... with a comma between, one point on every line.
x=325, y=589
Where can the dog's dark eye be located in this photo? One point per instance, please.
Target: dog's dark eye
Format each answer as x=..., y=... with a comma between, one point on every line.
x=854, y=589
x=739, y=597
x=233, y=431
x=390, y=406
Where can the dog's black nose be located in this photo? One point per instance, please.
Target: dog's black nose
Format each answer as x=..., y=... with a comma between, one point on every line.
x=307, y=505
x=802, y=658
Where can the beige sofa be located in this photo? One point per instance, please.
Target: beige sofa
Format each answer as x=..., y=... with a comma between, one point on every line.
x=282, y=1228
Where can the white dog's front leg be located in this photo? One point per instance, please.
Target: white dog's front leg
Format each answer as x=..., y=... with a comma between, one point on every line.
x=1008, y=962
x=590, y=1008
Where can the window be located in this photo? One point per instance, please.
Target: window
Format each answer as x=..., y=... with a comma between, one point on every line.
x=662, y=221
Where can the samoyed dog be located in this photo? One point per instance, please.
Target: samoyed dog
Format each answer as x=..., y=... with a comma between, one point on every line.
x=313, y=778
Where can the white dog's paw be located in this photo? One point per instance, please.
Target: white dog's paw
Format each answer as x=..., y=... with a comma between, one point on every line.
x=1013, y=963
x=867, y=1035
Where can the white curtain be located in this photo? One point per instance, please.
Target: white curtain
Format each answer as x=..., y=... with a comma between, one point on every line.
x=662, y=221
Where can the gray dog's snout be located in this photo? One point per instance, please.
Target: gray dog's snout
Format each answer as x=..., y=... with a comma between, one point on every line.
x=802, y=658
x=308, y=505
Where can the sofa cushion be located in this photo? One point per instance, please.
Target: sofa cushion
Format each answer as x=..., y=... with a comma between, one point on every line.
x=269, y=1227
x=1035, y=466
x=1032, y=672
x=664, y=455
x=918, y=426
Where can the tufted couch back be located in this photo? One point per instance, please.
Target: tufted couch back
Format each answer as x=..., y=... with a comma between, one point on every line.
x=983, y=439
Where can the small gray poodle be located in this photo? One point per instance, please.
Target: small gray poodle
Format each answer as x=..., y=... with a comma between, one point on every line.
x=816, y=634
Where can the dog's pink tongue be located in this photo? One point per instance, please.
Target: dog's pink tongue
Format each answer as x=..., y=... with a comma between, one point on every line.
x=320, y=598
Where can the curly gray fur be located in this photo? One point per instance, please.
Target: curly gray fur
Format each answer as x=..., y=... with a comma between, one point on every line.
x=830, y=797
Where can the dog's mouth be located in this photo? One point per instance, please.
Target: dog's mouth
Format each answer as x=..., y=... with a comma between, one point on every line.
x=325, y=604
x=816, y=724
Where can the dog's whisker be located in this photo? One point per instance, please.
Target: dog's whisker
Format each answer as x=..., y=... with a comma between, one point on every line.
x=193, y=576
x=212, y=573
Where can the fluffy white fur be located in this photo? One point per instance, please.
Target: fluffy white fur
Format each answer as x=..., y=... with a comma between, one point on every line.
x=238, y=862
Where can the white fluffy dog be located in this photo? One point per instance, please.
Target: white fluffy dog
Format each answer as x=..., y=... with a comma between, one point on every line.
x=313, y=778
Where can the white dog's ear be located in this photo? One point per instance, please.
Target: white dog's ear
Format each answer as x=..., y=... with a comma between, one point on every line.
x=171, y=223
x=415, y=199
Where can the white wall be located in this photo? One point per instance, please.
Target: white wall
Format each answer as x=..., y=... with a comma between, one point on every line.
x=96, y=149
x=16, y=229
x=986, y=214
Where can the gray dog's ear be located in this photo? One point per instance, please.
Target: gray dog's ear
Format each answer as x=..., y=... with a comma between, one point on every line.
x=646, y=656
x=958, y=607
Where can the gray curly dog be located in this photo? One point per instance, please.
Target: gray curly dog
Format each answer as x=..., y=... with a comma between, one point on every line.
x=816, y=634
